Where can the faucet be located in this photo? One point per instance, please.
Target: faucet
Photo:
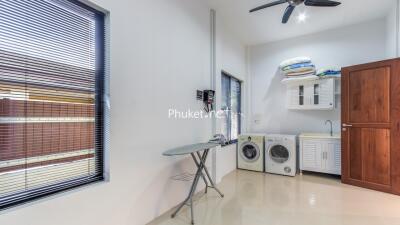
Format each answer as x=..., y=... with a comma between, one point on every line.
x=330, y=122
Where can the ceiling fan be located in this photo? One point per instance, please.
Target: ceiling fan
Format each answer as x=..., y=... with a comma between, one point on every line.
x=294, y=3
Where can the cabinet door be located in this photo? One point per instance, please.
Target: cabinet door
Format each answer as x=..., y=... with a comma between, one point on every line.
x=322, y=94
x=309, y=95
x=296, y=96
x=311, y=155
x=292, y=97
x=333, y=157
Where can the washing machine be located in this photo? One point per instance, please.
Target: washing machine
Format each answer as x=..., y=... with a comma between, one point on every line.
x=281, y=154
x=250, y=152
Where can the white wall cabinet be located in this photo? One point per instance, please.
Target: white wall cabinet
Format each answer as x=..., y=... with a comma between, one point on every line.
x=320, y=154
x=316, y=94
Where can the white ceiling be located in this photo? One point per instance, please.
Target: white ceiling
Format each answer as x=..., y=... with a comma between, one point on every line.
x=265, y=25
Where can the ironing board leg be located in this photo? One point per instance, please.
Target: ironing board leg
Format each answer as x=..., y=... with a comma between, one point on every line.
x=202, y=174
x=191, y=211
x=189, y=199
x=202, y=159
x=201, y=165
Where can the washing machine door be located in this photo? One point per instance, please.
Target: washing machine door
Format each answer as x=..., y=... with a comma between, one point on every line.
x=279, y=153
x=249, y=152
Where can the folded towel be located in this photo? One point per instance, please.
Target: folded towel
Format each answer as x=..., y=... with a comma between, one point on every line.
x=298, y=65
x=329, y=71
x=330, y=76
x=293, y=61
x=301, y=78
x=303, y=73
x=299, y=70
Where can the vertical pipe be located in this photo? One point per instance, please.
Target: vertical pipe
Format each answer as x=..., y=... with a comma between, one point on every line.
x=107, y=105
x=213, y=80
x=397, y=27
x=247, y=95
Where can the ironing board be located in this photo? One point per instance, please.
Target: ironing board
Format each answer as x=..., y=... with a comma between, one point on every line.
x=199, y=160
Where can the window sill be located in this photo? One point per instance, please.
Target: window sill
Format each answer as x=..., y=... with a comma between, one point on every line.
x=54, y=195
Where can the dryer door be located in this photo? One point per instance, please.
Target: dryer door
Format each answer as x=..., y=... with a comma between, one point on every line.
x=279, y=153
x=249, y=152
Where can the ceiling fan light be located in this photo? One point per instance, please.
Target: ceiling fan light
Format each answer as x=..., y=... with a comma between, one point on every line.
x=301, y=17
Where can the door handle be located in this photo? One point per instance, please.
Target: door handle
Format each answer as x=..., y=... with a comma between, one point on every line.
x=346, y=125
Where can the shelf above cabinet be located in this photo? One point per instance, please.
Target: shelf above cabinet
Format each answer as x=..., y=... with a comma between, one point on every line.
x=299, y=80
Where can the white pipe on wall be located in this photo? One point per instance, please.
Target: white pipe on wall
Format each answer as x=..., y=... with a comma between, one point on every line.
x=213, y=81
x=397, y=27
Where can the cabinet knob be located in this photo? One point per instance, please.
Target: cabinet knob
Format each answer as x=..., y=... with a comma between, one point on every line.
x=346, y=125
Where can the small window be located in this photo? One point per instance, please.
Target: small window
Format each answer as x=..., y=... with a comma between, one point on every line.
x=231, y=104
x=51, y=98
x=316, y=94
x=301, y=95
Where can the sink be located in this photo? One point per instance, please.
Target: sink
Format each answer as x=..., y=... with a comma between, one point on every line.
x=320, y=135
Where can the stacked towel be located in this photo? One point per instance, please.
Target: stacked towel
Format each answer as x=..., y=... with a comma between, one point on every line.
x=329, y=72
x=300, y=79
x=298, y=67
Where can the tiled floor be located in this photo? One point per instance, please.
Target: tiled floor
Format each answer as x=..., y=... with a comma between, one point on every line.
x=264, y=199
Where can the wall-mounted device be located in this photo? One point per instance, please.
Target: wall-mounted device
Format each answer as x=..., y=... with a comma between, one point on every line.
x=208, y=98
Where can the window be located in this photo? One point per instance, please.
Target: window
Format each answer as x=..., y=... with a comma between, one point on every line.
x=301, y=95
x=51, y=98
x=231, y=104
x=316, y=94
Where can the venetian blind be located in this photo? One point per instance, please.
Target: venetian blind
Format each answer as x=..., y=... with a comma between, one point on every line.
x=231, y=104
x=51, y=98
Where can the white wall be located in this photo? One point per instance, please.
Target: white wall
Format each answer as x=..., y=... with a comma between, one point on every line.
x=160, y=55
x=231, y=58
x=341, y=47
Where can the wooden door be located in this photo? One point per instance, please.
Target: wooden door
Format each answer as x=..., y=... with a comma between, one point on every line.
x=371, y=125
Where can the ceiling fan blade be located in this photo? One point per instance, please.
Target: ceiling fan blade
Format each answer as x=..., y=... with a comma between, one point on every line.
x=321, y=3
x=268, y=5
x=288, y=13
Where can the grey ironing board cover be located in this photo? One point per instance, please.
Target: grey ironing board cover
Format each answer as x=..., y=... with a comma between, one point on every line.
x=188, y=149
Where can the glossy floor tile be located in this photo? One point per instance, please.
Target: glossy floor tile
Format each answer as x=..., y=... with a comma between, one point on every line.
x=264, y=199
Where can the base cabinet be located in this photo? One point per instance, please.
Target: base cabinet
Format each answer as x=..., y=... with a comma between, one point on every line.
x=321, y=155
